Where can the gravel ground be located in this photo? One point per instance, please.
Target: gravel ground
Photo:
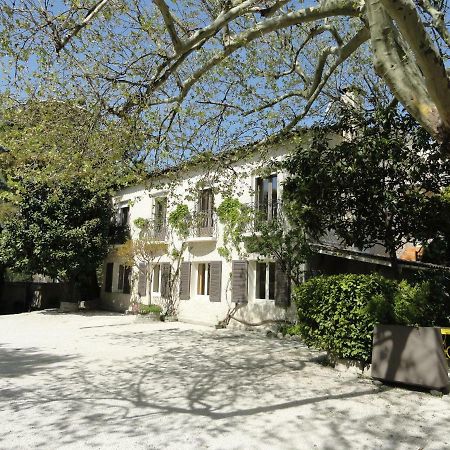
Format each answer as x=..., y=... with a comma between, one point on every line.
x=103, y=381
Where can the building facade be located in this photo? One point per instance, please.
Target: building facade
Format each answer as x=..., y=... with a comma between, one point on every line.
x=194, y=267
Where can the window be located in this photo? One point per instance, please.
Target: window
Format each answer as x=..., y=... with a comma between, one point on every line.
x=124, y=280
x=265, y=281
x=205, y=208
x=203, y=279
x=127, y=280
x=109, y=277
x=124, y=215
x=267, y=197
x=160, y=213
x=156, y=279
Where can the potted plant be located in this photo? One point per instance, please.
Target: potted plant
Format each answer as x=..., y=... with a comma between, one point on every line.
x=150, y=312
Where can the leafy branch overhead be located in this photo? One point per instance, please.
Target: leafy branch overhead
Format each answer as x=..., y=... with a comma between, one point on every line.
x=383, y=184
x=208, y=62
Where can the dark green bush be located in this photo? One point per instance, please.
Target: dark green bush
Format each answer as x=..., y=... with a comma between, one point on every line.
x=338, y=313
x=435, y=311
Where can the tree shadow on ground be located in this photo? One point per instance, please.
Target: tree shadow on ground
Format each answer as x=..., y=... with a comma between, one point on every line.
x=16, y=362
x=175, y=388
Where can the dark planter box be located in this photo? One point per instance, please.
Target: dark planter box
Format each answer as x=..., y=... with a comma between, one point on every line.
x=409, y=355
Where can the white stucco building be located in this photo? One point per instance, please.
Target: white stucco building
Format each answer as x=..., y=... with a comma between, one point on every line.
x=208, y=285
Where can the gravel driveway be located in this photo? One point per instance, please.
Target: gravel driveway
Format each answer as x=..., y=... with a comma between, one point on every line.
x=103, y=381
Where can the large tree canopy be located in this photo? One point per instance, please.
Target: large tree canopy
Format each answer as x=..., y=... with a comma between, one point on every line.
x=266, y=62
x=61, y=232
x=59, y=165
x=384, y=185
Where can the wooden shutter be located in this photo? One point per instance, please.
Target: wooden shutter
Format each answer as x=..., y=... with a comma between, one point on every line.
x=185, y=280
x=239, y=282
x=142, y=280
x=215, y=281
x=120, y=279
x=165, y=278
x=109, y=277
x=282, y=287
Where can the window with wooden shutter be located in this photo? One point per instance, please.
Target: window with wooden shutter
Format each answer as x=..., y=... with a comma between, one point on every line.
x=282, y=287
x=265, y=281
x=127, y=280
x=215, y=281
x=156, y=279
x=142, y=280
x=201, y=279
x=120, y=279
x=239, y=282
x=165, y=278
x=109, y=277
x=185, y=280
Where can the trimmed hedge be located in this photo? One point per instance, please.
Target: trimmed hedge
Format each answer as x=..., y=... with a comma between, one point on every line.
x=338, y=313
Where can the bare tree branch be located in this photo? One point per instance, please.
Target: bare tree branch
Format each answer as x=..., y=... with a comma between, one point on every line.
x=428, y=59
x=170, y=24
x=394, y=65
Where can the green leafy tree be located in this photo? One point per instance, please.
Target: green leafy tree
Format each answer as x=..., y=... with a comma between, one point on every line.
x=58, y=231
x=380, y=185
x=60, y=163
x=286, y=244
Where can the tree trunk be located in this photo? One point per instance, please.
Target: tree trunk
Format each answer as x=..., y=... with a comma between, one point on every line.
x=71, y=291
x=394, y=263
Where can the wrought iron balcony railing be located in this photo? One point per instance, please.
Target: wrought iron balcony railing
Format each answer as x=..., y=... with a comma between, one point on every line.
x=155, y=229
x=203, y=224
x=263, y=214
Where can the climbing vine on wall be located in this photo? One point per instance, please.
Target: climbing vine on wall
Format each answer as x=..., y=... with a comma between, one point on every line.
x=235, y=216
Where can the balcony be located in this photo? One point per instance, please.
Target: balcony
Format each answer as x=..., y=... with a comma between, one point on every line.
x=203, y=227
x=262, y=216
x=155, y=230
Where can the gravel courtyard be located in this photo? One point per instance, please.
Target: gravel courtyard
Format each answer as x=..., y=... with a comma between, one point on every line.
x=103, y=381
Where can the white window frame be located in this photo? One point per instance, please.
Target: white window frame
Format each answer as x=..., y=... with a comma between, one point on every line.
x=270, y=205
x=207, y=279
x=267, y=281
x=158, y=292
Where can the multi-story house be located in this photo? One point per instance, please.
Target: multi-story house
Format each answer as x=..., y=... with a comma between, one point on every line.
x=205, y=283
x=190, y=270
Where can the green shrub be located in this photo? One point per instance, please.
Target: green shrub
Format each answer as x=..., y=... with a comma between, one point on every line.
x=338, y=313
x=410, y=302
x=436, y=310
x=149, y=309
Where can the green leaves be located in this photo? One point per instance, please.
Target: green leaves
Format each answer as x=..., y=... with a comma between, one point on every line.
x=60, y=232
x=179, y=220
x=337, y=313
x=380, y=184
x=235, y=216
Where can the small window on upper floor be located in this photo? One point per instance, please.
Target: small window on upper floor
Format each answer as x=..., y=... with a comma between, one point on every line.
x=124, y=216
x=160, y=213
x=205, y=208
x=266, y=198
